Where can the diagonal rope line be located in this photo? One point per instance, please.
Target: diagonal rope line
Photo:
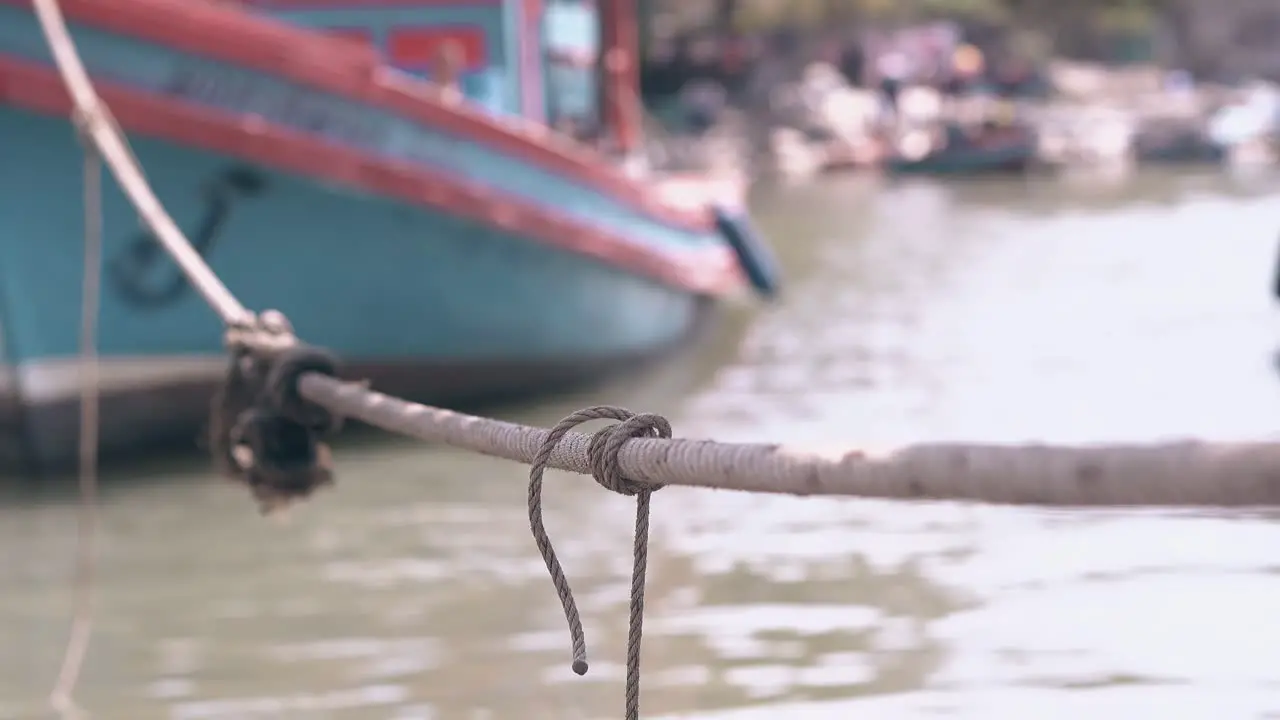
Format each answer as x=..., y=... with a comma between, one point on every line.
x=98, y=125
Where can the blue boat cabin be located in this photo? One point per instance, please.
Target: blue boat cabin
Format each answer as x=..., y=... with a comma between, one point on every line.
x=512, y=57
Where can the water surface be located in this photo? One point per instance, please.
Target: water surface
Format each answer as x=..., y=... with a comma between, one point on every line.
x=915, y=311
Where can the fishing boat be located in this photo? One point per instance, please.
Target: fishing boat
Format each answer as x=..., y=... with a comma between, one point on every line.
x=1241, y=132
x=1005, y=151
x=1179, y=146
x=383, y=172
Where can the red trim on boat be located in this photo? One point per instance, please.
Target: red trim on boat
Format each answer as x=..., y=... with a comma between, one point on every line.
x=38, y=88
x=309, y=58
x=420, y=46
x=530, y=42
x=362, y=37
x=619, y=51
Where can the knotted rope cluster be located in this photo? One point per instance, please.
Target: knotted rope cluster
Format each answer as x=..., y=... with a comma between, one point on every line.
x=602, y=455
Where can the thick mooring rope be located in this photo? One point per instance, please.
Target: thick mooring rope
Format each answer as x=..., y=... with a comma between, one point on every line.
x=282, y=396
x=1186, y=473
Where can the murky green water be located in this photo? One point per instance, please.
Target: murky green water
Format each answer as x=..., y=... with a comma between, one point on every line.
x=915, y=311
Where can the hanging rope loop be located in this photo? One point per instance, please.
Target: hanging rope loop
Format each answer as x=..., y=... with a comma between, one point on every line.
x=602, y=454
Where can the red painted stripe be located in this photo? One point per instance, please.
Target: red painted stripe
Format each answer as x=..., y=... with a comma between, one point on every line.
x=38, y=88
x=309, y=58
x=421, y=46
x=359, y=36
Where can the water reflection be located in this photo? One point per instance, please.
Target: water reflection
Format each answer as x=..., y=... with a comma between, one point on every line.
x=916, y=311
x=959, y=321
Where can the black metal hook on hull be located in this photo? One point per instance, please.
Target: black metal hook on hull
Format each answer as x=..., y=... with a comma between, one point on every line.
x=130, y=271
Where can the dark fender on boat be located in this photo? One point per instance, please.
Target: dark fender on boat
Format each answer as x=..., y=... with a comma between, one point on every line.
x=755, y=257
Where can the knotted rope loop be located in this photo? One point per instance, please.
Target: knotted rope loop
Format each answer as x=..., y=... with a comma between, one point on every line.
x=602, y=454
x=266, y=435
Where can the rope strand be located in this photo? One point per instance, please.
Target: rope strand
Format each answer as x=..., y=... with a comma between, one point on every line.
x=561, y=583
x=61, y=698
x=1182, y=473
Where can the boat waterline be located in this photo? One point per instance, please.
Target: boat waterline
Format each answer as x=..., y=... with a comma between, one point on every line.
x=52, y=380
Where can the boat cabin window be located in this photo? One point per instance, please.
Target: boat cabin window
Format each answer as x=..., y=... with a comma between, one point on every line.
x=457, y=56
x=571, y=45
x=459, y=42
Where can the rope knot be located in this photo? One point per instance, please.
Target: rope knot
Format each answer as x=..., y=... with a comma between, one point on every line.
x=602, y=454
x=263, y=431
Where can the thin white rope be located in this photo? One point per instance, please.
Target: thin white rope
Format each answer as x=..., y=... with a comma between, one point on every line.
x=62, y=697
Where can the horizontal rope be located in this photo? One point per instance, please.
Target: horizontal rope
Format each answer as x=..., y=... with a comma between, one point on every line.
x=1164, y=474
